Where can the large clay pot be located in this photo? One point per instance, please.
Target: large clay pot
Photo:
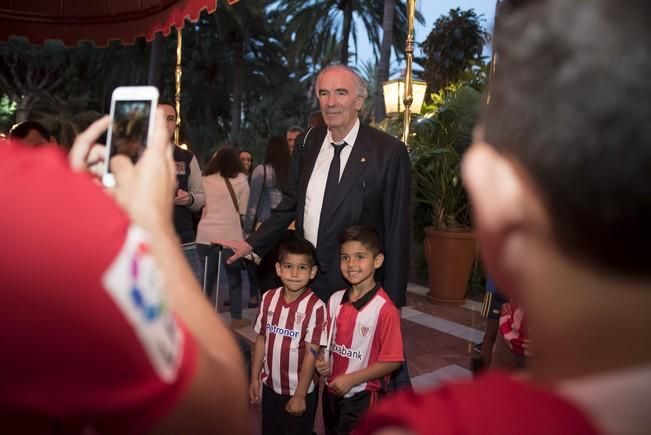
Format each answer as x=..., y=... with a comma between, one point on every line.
x=449, y=256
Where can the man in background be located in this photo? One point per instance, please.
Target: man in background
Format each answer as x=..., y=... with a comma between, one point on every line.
x=189, y=197
x=292, y=133
x=30, y=133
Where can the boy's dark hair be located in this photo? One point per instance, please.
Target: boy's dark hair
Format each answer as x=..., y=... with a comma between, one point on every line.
x=22, y=129
x=364, y=234
x=226, y=162
x=570, y=102
x=297, y=246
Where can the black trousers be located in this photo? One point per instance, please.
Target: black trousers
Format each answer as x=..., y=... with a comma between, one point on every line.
x=341, y=415
x=277, y=421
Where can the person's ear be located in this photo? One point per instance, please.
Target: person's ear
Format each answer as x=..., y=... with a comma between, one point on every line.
x=359, y=103
x=505, y=207
x=313, y=272
x=379, y=260
x=278, y=269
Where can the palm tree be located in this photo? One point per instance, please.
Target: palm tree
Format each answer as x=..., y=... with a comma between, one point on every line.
x=312, y=25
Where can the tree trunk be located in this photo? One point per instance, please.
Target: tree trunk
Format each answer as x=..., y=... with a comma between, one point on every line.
x=156, y=62
x=345, y=36
x=385, y=58
x=238, y=74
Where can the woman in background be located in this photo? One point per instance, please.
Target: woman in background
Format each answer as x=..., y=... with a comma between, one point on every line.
x=227, y=194
x=268, y=181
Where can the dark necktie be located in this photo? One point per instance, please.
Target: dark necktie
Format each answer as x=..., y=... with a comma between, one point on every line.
x=332, y=183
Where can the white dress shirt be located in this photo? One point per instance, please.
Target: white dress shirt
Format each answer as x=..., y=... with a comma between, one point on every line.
x=317, y=184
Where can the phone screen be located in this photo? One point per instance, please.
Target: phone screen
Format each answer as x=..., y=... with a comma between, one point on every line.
x=130, y=128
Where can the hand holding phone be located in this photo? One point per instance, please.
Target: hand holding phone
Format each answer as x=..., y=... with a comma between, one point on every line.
x=132, y=116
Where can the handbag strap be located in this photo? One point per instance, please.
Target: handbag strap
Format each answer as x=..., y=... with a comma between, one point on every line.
x=233, y=197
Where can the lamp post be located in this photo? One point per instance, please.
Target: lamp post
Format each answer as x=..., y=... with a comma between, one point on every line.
x=409, y=56
x=406, y=94
x=177, y=80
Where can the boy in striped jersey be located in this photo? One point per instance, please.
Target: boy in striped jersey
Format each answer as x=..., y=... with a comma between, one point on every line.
x=365, y=343
x=291, y=327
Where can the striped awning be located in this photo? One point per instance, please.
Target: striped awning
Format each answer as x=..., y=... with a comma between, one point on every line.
x=99, y=21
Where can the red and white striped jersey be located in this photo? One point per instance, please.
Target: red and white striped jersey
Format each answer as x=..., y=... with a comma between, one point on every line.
x=363, y=332
x=286, y=328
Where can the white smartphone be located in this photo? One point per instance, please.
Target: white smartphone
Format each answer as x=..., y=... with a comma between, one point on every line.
x=133, y=110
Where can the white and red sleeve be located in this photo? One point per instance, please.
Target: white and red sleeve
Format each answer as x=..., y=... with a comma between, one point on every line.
x=389, y=335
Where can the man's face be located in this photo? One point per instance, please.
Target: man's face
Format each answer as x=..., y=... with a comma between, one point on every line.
x=291, y=139
x=338, y=99
x=170, y=119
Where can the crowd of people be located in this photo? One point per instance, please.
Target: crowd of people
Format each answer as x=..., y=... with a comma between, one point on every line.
x=107, y=329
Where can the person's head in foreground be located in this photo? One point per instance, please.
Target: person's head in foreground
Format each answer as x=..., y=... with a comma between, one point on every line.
x=360, y=256
x=296, y=265
x=560, y=181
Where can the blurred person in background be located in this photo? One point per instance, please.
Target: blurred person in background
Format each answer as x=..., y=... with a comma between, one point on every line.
x=268, y=181
x=227, y=194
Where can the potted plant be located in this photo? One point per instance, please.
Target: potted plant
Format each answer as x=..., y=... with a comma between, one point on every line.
x=442, y=210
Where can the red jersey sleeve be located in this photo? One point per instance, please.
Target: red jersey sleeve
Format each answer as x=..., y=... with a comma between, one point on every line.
x=317, y=328
x=389, y=336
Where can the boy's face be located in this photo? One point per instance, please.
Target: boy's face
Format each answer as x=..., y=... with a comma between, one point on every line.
x=295, y=271
x=358, y=263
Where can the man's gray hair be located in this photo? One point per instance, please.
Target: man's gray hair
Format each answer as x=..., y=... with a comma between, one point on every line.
x=361, y=87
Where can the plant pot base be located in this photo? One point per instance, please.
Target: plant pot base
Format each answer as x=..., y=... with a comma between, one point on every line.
x=450, y=256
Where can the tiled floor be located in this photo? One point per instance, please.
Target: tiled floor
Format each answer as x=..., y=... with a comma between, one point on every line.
x=438, y=342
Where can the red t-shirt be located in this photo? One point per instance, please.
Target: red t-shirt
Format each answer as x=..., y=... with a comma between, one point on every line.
x=88, y=338
x=494, y=404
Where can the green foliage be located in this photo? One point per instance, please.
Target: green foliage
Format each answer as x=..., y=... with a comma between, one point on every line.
x=314, y=27
x=452, y=50
x=439, y=139
x=7, y=113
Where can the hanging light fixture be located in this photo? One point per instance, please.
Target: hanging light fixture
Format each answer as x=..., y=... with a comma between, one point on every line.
x=394, y=95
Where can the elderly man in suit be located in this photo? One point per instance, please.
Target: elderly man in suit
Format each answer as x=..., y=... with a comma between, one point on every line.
x=343, y=173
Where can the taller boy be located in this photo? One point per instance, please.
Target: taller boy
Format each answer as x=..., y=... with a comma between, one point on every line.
x=365, y=344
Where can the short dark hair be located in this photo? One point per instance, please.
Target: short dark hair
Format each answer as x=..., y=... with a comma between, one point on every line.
x=172, y=104
x=226, y=161
x=22, y=129
x=297, y=246
x=295, y=128
x=364, y=234
x=570, y=102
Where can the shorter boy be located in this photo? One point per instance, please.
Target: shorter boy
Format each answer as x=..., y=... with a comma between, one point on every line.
x=291, y=327
x=365, y=343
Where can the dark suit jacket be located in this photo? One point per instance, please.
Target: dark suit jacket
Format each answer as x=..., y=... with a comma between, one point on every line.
x=374, y=190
